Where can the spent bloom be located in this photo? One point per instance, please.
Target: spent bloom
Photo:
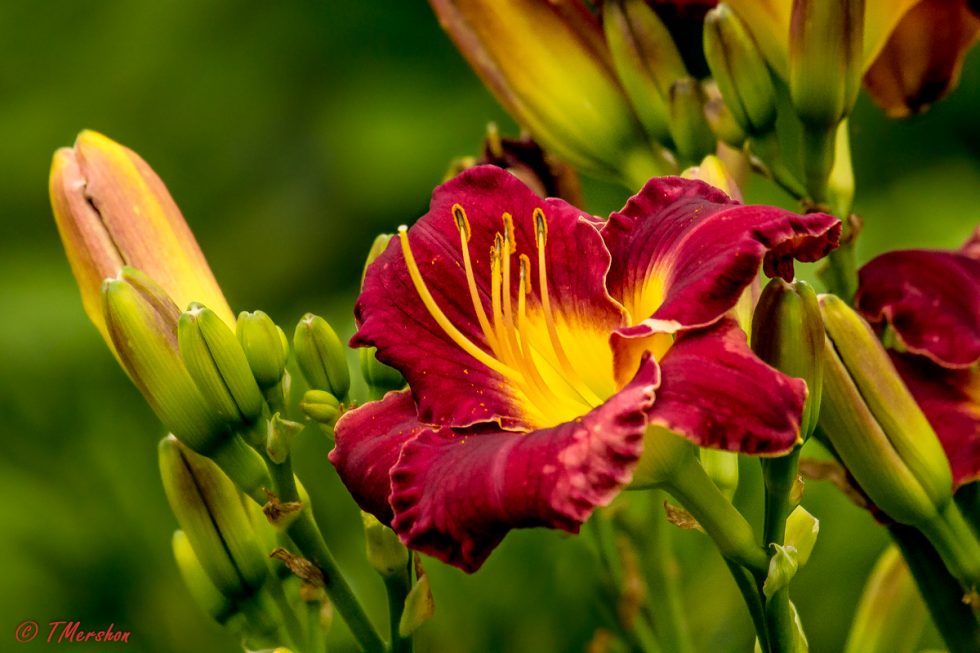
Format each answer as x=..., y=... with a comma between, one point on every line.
x=539, y=343
x=929, y=303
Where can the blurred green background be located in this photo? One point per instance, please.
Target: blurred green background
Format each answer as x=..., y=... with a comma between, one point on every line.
x=290, y=133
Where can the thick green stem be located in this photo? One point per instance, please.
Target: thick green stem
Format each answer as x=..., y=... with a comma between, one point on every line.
x=717, y=516
x=670, y=622
x=397, y=586
x=956, y=544
x=943, y=595
x=780, y=475
x=753, y=601
x=304, y=532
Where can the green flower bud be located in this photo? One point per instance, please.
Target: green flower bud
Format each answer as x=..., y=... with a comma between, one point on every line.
x=379, y=376
x=720, y=119
x=321, y=356
x=141, y=321
x=907, y=431
x=802, y=529
x=209, y=511
x=825, y=59
x=218, y=365
x=646, y=61
x=265, y=349
x=722, y=468
x=385, y=551
x=217, y=606
x=688, y=126
x=787, y=333
x=321, y=407
x=740, y=71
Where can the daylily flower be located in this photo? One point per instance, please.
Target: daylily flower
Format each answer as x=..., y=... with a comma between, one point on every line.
x=930, y=300
x=540, y=342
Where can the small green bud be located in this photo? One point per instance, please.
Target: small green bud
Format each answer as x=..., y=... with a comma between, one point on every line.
x=321, y=356
x=218, y=366
x=321, y=407
x=265, y=347
x=217, y=606
x=282, y=432
x=740, y=71
x=688, y=126
x=782, y=568
x=722, y=468
x=802, y=529
x=379, y=376
x=826, y=43
x=141, y=321
x=209, y=511
x=385, y=551
x=646, y=61
x=787, y=333
x=908, y=432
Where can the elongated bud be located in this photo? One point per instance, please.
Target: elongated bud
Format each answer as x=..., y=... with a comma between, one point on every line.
x=379, y=376
x=215, y=604
x=891, y=614
x=523, y=50
x=321, y=407
x=218, y=366
x=321, y=356
x=720, y=119
x=906, y=427
x=646, y=61
x=141, y=321
x=387, y=555
x=688, y=126
x=740, y=71
x=825, y=59
x=209, y=511
x=787, y=333
x=112, y=210
x=264, y=346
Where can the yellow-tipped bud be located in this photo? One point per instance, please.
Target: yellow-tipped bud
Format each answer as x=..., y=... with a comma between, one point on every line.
x=321, y=356
x=740, y=71
x=216, y=362
x=209, y=511
x=265, y=347
x=112, y=210
x=712, y=171
x=646, y=61
x=788, y=333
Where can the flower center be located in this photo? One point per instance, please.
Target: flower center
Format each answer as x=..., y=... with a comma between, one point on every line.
x=536, y=365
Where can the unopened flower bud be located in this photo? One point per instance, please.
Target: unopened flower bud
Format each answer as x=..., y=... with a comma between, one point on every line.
x=825, y=59
x=788, y=333
x=875, y=426
x=722, y=468
x=141, y=321
x=380, y=377
x=646, y=60
x=216, y=362
x=688, y=126
x=321, y=407
x=387, y=555
x=712, y=171
x=740, y=71
x=209, y=511
x=802, y=529
x=112, y=210
x=215, y=604
x=321, y=356
x=720, y=119
x=264, y=347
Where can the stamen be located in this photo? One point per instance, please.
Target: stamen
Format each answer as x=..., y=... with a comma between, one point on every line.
x=463, y=224
x=541, y=236
x=528, y=362
x=508, y=317
x=444, y=323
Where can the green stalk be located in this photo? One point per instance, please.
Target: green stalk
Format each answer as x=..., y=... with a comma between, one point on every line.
x=304, y=532
x=397, y=587
x=670, y=622
x=942, y=593
x=780, y=475
x=753, y=601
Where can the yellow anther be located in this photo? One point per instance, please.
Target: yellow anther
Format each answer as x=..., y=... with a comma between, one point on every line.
x=540, y=228
x=463, y=224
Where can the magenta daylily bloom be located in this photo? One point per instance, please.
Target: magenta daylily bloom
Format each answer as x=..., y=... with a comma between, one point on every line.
x=931, y=302
x=534, y=338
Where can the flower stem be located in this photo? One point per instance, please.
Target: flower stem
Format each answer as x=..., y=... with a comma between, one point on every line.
x=956, y=544
x=753, y=601
x=397, y=587
x=670, y=622
x=306, y=535
x=942, y=593
x=780, y=476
